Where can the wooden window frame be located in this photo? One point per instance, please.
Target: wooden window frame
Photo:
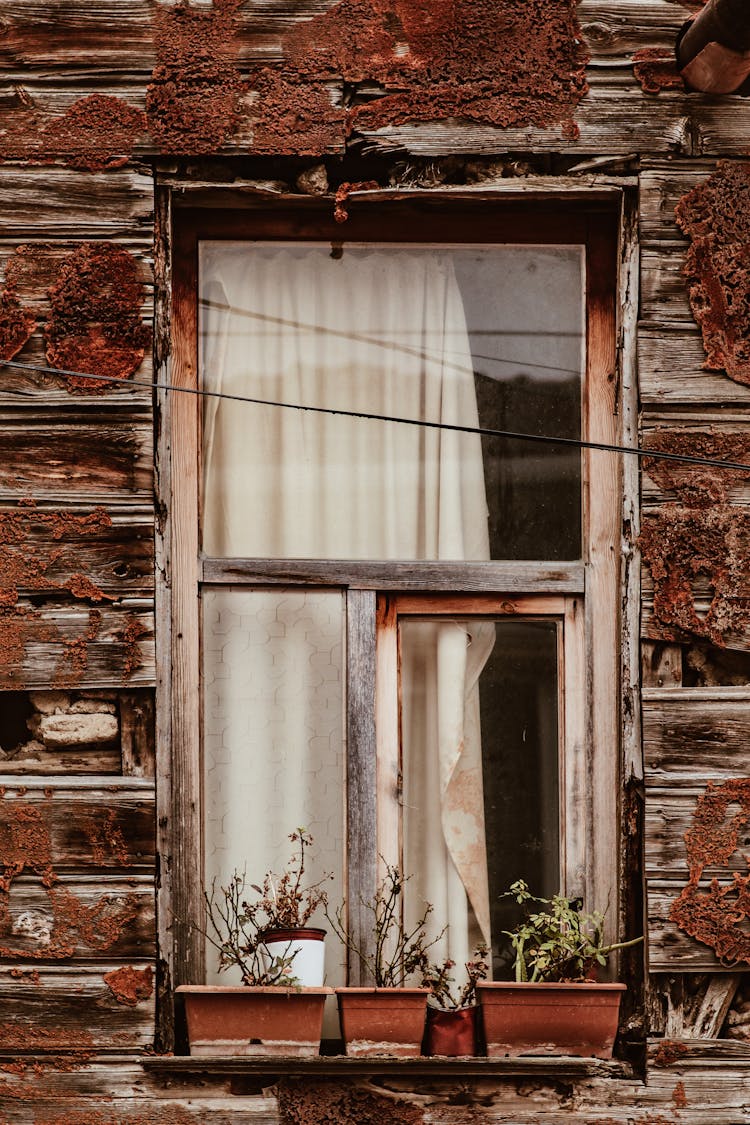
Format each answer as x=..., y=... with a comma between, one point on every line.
x=588, y=590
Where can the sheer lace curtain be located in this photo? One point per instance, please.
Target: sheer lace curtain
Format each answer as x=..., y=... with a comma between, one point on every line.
x=375, y=330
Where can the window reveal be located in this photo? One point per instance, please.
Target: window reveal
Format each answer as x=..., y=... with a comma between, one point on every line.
x=492, y=335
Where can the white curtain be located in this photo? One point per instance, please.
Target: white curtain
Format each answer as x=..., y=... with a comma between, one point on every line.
x=376, y=331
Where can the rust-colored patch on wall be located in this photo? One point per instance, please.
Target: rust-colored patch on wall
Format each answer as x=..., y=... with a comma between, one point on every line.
x=106, y=839
x=679, y=1097
x=656, y=70
x=310, y=1103
x=95, y=322
x=340, y=212
x=97, y=133
x=19, y=625
x=698, y=486
x=685, y=546
x=97, y=927
x=716, y=217
x=516, y=64
x=131, y=637
x=717, y=915
x=75, y=654
x=25, y=844
x=295, y=116
x=669, y=1052
x=16, y=323
x=192, y=103
x=27, y=551
x=129, y=985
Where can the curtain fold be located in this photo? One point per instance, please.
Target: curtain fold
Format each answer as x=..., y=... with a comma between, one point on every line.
x=377, y=330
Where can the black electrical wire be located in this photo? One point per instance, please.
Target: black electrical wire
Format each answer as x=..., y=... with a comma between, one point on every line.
x=511, y=435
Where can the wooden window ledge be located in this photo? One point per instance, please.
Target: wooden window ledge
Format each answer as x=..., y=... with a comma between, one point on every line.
x=341, y=1067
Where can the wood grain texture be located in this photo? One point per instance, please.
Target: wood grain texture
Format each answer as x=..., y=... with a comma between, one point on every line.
x=63, y=456
x=669, y=949
x=669, y=816
x=78, y=917
x=671, y=372
x=110, y=828
x=696, y=735
x=60, y=1009
x=63, y=646
x=57, y=202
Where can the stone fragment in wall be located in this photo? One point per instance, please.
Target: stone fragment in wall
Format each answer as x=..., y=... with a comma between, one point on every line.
x=75, y=730
x=313, y=181
x=92, y=707
x=27, y=752
x=49, y=702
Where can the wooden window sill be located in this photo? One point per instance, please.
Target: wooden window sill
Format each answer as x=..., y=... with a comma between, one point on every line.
x=341, y=1067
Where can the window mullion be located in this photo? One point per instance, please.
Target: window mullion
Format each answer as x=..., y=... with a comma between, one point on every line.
x=360, y=769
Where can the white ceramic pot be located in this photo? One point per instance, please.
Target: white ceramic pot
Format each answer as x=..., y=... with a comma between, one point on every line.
x=307, y=949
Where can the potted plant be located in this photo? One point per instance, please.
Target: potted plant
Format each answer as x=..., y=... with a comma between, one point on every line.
x=276, y=1010
x=555, y=1006
x=387, y=1017
x=451, y=1027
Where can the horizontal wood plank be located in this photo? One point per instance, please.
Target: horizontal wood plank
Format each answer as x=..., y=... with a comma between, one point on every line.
x=62, y=646
x=79, y=829
x=691, y=735
x=70, y=456
x=500, y=577
x=59, y=1009
x=47, y=549
x=57, y=202
x=671, y=373
x=101, y=918
x=669, y=816
x=669, y=948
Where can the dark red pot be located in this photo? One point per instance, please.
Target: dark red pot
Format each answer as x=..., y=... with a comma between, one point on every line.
x=452, y=1033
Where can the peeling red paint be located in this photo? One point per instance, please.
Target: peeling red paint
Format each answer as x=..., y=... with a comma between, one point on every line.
x=95, y=323
x=97, y=927
x=343, y=192
x=97, y=133
x=716, y=217
x=656, y=69
x=106, y=839
x=192, y=103
x=684, y=545
x=26, y=553
x=19, y=625
x=75, y=655
x=131, y=636
x=698, y=486
x=679, y=1096
x=25, y=844
x=129, y=985
x=308, y=1103
x=518, y=64
x=16, y=323
x=295, y=116
x=717, y=915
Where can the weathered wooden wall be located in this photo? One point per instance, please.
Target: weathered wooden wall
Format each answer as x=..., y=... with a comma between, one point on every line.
x=94, y=97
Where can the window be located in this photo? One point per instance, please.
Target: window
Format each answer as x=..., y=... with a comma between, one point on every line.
x=402, y=635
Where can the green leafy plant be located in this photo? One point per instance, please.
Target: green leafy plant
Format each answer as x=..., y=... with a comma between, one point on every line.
x=399, y=953
x=238, y=926
x=442, y=984
x=559, y=941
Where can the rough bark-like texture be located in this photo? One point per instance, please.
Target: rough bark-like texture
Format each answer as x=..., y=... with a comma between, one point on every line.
x=684, y=546
x=193, y=98
x=656, y=69
x=330, y=1103
x=717, y=915
x=95, y=324
x=520, y=63
x=698, y=486
x=716, y=216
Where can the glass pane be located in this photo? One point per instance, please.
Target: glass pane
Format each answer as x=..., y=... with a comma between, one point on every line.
x=480, y=750
x=462, y=336
x=273, y=744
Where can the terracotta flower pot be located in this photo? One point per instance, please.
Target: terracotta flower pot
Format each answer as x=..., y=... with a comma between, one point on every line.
x=549, y=1019
x=265, y=1020
x=306, y=945
x=382, y=1021
x=451, y=1033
